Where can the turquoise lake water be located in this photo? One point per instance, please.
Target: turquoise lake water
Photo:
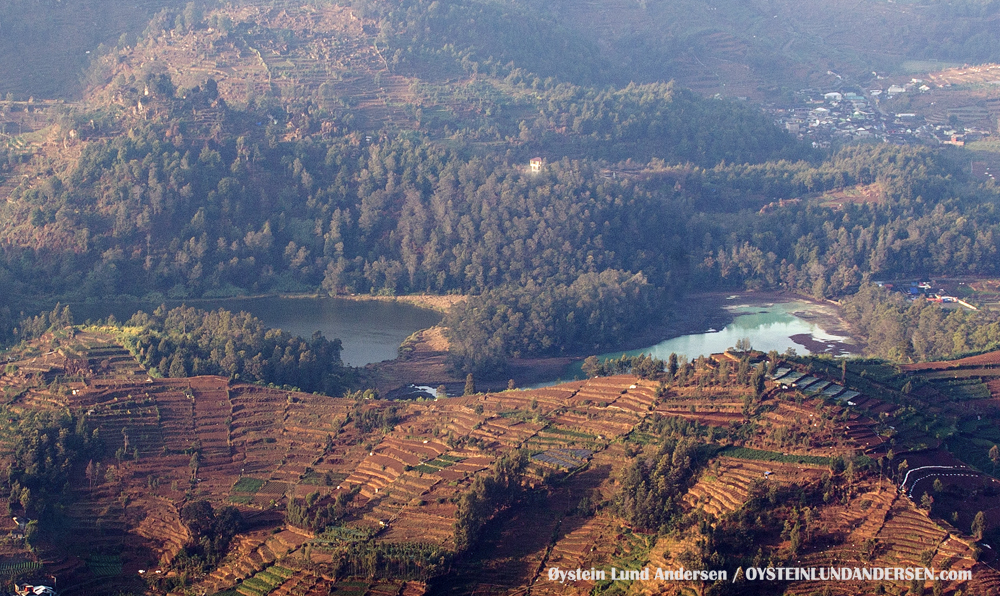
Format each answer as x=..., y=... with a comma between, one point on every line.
x=768, y=327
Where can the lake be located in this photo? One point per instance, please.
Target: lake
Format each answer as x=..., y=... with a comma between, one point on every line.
x=371, y=330
x=768, y=327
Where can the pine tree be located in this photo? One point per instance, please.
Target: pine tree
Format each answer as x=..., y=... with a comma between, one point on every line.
x=979, y=525
x=470, y=385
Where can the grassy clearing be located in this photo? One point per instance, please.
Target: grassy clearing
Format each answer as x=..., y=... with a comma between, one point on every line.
x=990, y=146
x=15, y=568
x=923, y=66
x=248, y=485
x=105, y=565
x=569, y=433
x=774, y=456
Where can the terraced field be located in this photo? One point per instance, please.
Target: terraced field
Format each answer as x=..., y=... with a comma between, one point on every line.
x=725, y=486
x=401, y=486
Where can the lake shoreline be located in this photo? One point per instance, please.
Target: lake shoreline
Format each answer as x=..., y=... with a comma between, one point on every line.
x=692, y=314
x=701, y=313
x=440, y=303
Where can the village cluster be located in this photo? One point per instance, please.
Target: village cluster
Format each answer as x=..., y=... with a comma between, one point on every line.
x=827, y=118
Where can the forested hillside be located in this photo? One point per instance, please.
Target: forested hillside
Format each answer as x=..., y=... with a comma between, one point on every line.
x=46, y=45
x=546, y=174
x=170, y=190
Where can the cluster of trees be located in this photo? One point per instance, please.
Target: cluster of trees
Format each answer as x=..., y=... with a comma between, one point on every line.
x=490, y=493
x=928, y=218
x=422, y=35
x=655, y=121
x=399, y=560
x=185, y=341
x=595, y=311
x=650, y=489
x=960, y=31
x=565, y=260
x=47, y=448
x=314, y=514
x=642, y=366
x=370, y=419
x=211, y=533
x=34, y=327
x=901, y=330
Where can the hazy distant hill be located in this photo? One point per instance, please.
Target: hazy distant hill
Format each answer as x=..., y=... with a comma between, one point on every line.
x=45, y=45
x=731, y=47
x=740, y=47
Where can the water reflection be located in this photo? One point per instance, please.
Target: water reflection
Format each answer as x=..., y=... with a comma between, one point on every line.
x=370, y=330
x=768, y=327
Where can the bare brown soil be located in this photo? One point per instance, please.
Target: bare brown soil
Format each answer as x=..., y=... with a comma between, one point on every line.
x=433, y=301
x=989, y=359
x=296, y=444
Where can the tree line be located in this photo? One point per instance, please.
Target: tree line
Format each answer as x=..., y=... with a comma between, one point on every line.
x=185, y=341
x=902, y=330
x=490, y=492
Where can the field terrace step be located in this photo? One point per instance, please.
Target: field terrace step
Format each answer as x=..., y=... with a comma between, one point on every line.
x=250, y=554
x=985, y=580
x=385, y=588
x=140, y=423
x=232, y=569
x=547, y=398
x=599, y=396
x=508, y=432
x=300, y=584
x=412, y=588
x=212, y=411
x=576, y=547
x=728, y=485
x=374, y=473
x=715, y=496
x=864, y=436
x=953, y=553
x=272, y=490
x=432, y=523
x=881, y=505
x=295, y=461
x=176, y=418
x=462, y=423
x=162, y=526
x=414, y=484
x=322, y=587
x=423, y=450
x=910, y=532
x=314, y=413
x=629, y=405
x=606, y=423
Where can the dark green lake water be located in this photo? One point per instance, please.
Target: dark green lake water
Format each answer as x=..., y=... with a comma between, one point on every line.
x=370, y=330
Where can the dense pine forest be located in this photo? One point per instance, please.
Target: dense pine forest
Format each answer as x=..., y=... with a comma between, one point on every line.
x=647, y=192
x=562, y=179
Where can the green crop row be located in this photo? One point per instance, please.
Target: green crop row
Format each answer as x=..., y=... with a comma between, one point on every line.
x=760, y=455
x=248, y=485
